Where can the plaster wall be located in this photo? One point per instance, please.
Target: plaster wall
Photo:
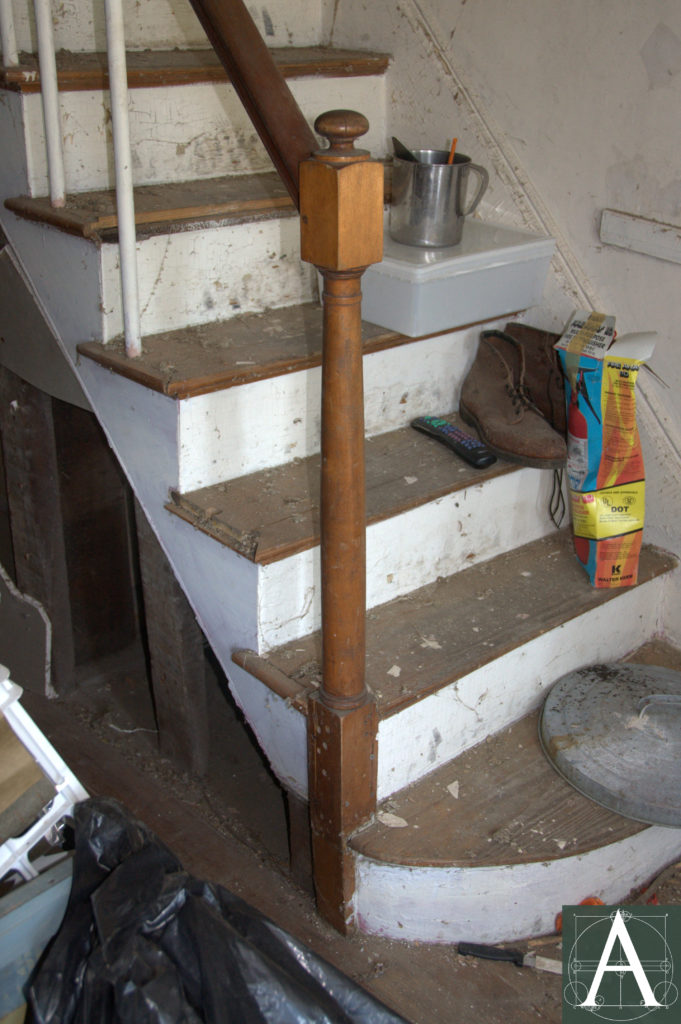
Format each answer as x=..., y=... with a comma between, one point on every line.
x=574, y=108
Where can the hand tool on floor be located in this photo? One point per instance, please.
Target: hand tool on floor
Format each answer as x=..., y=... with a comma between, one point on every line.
x=514, y=956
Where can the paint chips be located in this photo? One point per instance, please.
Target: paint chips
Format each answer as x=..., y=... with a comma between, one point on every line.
x=391, y=820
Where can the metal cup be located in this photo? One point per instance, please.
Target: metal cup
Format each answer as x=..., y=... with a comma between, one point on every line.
x=428, y=203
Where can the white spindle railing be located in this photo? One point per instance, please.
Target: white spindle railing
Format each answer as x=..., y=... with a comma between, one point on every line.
x=50, y=95
x=10, y=54
x=118, y=84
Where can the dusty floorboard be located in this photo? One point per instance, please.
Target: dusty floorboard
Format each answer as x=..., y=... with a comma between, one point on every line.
x=427, y=985
x=229, y=828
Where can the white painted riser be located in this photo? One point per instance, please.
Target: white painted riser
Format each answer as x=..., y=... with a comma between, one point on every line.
x=164, y=24
x=181, y=133
x=403, y=553
x=191, y=277
x=409, y=551
x=225, y=435
x=504, y=903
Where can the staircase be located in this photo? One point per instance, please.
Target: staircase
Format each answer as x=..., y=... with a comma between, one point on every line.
x=475, y=603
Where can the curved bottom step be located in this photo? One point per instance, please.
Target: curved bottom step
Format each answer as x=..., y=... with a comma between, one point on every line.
x=506, y=902
x=489, y=848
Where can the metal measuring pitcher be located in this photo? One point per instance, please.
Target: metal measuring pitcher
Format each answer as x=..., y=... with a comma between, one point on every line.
x=428, y=203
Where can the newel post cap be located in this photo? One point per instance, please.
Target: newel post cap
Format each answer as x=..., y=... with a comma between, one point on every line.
x=341, y=198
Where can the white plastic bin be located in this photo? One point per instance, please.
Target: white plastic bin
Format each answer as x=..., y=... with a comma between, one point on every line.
x=495, y=270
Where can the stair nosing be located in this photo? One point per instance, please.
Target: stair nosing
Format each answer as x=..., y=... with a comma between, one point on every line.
x=77, y=217
x=323, y=62
x=74, y=218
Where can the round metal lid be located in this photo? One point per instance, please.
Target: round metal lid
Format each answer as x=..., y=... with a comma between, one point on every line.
x=614, y=732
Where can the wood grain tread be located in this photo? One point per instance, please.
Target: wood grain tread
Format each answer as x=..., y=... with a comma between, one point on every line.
x=148, y=69
x=210, y=357
x=274, y=513
x=507, y=805
x=451, y=627
x=164, y=208
x=169, y=207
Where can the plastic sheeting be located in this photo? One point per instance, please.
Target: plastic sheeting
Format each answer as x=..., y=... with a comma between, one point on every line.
x=143, y=942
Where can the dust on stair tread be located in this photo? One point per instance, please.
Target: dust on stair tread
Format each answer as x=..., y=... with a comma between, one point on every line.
x=208, y=357
x=151, y=68
x=274, y=513
x=164, y=207
x=428, y=639
x=506, y=805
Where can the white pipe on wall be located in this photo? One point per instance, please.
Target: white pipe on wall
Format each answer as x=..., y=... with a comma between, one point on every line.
x=118, y=84
x=10, y=54
x=50, y=97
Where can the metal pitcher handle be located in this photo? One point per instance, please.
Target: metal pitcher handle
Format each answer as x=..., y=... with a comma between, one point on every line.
x=482, y=187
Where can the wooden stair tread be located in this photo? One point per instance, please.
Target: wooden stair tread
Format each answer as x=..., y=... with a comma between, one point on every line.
x=162, y=207
x=168, y=206
x=209, y=357
x=274, y=513
x=512, y=808
x=449, y=628
x=148, y=68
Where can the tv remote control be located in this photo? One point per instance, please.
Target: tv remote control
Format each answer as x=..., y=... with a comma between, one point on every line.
x=469, y=448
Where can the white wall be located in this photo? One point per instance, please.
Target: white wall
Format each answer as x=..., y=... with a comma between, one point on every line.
x=574, y=107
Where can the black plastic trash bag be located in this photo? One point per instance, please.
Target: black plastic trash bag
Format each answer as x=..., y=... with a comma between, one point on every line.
x=142, y=942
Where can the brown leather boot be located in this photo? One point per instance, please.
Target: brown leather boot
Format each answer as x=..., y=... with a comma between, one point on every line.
x=543, y=376
x=494, y=400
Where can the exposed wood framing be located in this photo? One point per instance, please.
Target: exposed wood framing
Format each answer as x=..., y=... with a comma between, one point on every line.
x=177, y=658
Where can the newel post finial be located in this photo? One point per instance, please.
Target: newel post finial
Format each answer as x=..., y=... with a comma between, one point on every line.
x=341, y=128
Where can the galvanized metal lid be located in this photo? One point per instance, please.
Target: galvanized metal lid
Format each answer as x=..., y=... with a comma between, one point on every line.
x=614, y=732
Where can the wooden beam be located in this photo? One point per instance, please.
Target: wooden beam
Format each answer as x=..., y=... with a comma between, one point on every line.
x=177, y=659
x=33, y=495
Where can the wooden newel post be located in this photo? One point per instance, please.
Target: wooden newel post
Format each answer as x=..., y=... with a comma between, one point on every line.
x=341, y=216
x=341, y=212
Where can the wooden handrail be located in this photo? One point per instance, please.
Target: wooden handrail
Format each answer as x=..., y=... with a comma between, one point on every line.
x=277, y=118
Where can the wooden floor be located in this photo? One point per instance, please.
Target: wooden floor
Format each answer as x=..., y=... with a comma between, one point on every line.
x=213, y=835
x=108, y=742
